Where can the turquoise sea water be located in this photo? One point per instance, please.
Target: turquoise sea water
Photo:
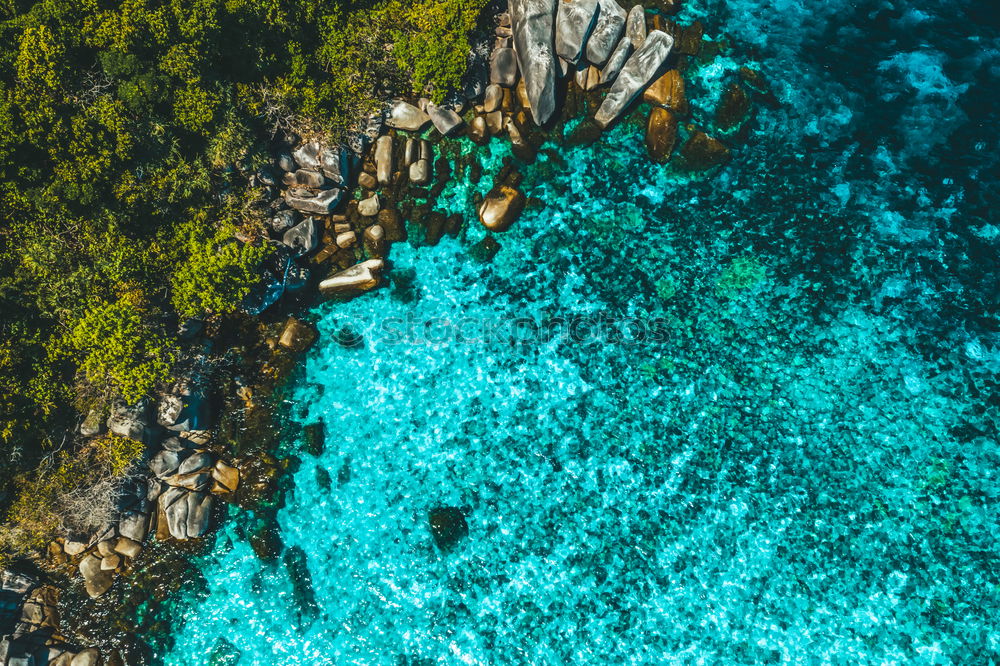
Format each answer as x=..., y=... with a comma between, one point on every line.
x=747, y=418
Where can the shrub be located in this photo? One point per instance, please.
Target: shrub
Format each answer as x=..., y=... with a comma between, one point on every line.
x=77, y=491
x=118, y=352
x=214, y=271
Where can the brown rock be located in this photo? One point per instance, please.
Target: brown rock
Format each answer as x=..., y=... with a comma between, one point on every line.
x=346, y=239
x=702, y=152
x=392, y=224
x=661, y=134
x=111, y=562
x=297, y=335
x=668, y=91
x=734, y=107
x=227, y=478
x=501, y=207
x=128, y=547
x=367, y=181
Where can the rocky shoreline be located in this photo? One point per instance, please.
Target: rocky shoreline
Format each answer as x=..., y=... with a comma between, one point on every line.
x=333, y=212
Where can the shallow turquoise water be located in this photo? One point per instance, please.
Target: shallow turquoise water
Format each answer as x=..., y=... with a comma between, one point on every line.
x=795, y=462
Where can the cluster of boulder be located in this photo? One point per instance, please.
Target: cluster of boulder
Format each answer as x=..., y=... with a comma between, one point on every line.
x=29, y=627
x=174, y=501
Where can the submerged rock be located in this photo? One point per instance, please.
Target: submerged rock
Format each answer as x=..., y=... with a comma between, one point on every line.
x=297, y=335
x=734, y=107
x=661, y=134
x=635, y=75
x=501, y=207
x=448, y=526
x=532, y=22
x=575, y=19
x=607, y=31
x=702, y=152
x=404, y=116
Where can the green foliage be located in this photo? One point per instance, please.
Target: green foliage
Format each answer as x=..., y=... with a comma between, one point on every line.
x=70, y=491
x=215, y=271
x=433, y=43
x=119, y=351
x=120, y=125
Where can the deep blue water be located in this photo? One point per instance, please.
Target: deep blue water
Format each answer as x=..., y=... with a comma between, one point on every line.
x=772, y=438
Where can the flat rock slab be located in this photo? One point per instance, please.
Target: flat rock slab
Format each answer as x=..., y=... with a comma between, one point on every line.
x=404, y=116
x=640, y=69
x=614, y=65
x=503, y=67
x=533, y=41
x=607, y=31
x=313, y=203
x=445, y=120
x=357, y=278
x=635, y=26
x=575, y=19
x=303, y=237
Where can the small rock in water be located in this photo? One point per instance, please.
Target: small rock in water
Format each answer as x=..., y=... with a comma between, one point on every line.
x=734, y=107
x=661, y=134
x=420, y=172
x=702, y=152
x=224, y=653
x=668, y=91
x=369, y=207
x=448, y=526
x=367, y=181
x=357, y=278
x=314, y=438
x=297, y=335
x=501, y=207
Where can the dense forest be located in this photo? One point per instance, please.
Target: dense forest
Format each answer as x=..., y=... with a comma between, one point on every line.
x=127, y=133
